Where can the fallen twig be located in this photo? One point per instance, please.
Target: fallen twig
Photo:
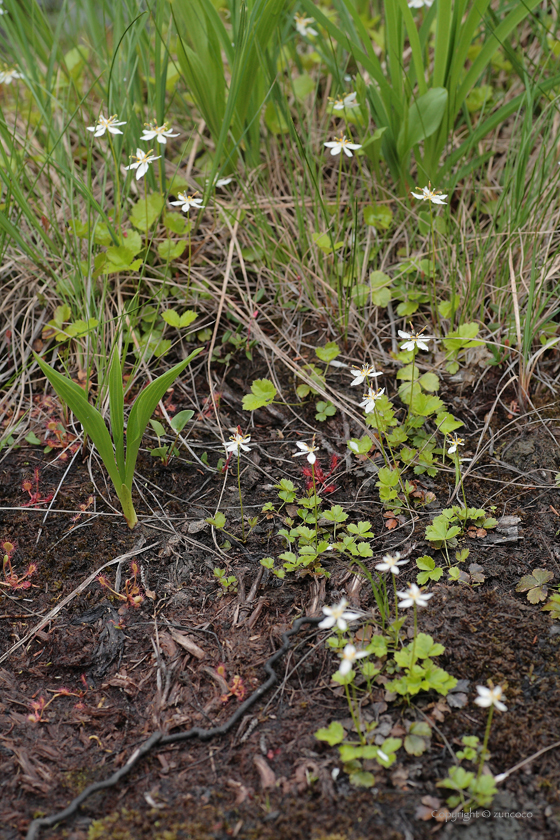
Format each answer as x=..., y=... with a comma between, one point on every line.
x=159, y=739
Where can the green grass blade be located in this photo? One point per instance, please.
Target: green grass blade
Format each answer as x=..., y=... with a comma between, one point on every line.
x=493, y=43
x=116, y=409
x=143, y=409
x=90, y=418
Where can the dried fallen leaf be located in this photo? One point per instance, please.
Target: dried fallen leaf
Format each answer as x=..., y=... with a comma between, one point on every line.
x=535, y=585
x=477, y=573
x=167, y=645
x=267, y=775
x=188, y=643
x=399, y=778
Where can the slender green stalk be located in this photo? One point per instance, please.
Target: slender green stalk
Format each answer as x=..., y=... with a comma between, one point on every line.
x=315, y=506
x=413, y=655
x=485, y=743
x=435, y=310
x=396, y=598
x=240, y=494
x=117, y=207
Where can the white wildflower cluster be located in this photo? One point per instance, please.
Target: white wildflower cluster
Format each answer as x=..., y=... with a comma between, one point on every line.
x=8, y=74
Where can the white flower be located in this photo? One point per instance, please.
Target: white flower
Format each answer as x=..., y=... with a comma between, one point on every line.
x=338, y=615
x=307, y=449
x=238, y=441
x=455, y=442
x=188, y=201
x=160, y=132
x=341, y=144
x=223, y=182
x=418, y=4
x=391, y=563
x=142, y=162
x=490, y=697
x=414, y=340
x=302, y=26
x=370, y=398
x=102, y=125
x=435, y=196
x=362, y=373
x=9, y=74
x=414, y=595
x=349, y=656
x=346, y=103
x=3, y=11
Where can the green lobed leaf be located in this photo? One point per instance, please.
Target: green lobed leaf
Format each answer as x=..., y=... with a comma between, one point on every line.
x=262, y=394
x=144, y=213
x=333, y=735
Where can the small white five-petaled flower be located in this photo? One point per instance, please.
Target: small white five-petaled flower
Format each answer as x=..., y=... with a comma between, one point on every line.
x=8, y=75
x=391, y=563
x=142, y=162
x=302, y=26
x=418, y=4
x=345, y=103
x=159, y=132
x=238, y=441
x=338, y=615
x=188, y=201
x=370, y=398
x=455, y=442
x=102, y=125
x=363, y=373
x=414, y=595
x=308, y=449
x=2, y=10
x=435, y=196
x=488, y=697
x=341, y=144
x=414, y=340
x=349, y=656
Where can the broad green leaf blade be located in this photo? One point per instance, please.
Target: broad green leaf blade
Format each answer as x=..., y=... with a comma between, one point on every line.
x=116, y=410
x=90, y=418
x=424, y=119
x=143, y=409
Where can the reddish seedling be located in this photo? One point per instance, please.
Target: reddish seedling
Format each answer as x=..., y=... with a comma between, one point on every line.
x=321, y=478
x=39, y=706
x=236, y=687
x=31, y=486
x=132, y=594
x=11, y=580
x=83, y=508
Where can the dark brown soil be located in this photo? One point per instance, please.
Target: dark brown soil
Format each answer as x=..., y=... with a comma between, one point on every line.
x=125, y=675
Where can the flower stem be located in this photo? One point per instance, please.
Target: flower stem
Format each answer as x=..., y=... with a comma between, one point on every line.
x=117, y=186
x=146, y=205
x=413, y=657
x=240, y=495
x=435, y=311
x=485, y=744
x=315, y=504
x=411, y=384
